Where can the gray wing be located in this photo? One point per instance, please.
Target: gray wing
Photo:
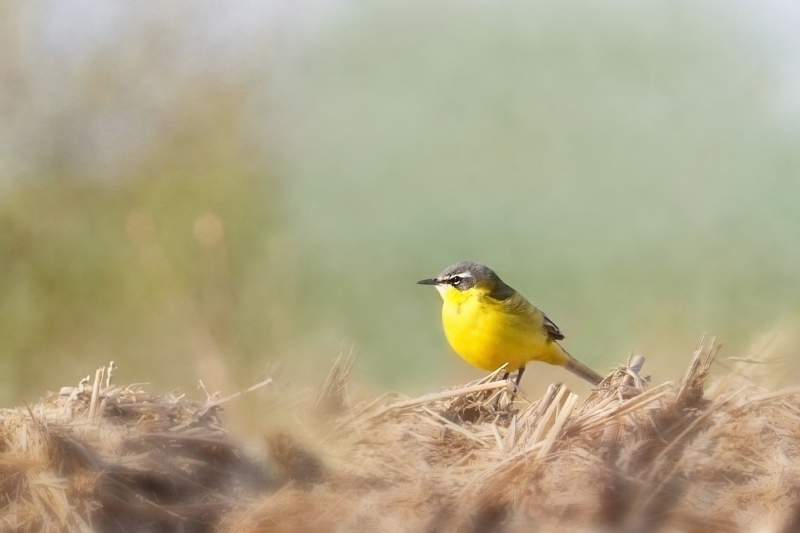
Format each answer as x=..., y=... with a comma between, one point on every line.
x=518, y=305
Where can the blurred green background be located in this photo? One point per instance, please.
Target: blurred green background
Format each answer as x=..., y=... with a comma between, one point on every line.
x=202, y=189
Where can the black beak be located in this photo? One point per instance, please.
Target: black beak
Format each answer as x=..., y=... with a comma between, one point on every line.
x=431, y=281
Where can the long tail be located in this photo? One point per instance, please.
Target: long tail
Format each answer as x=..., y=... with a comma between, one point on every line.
x=579, y=369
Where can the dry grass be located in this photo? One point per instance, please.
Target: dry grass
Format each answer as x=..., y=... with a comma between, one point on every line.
x=98, y=457
x=628, y=458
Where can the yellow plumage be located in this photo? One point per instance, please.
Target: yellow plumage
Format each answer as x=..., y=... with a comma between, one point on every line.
x=489, y=333
x=489, y=324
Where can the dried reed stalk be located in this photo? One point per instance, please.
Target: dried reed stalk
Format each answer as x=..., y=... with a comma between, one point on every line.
x=99, y=457
x=627, y=459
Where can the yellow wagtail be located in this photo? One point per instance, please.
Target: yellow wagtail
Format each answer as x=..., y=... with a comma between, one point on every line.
x=489, y=324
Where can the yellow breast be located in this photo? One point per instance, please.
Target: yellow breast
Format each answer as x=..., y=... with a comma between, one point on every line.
x=487, y=334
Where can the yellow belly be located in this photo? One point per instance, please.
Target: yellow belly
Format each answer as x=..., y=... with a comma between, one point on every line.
x=486, y=336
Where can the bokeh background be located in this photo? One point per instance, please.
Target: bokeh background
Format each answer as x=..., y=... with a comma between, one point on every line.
x=209, y=190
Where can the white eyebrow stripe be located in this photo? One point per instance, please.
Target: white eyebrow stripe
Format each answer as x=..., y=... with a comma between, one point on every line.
x=463, y=275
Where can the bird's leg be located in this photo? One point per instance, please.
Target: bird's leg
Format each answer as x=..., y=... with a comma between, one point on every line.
x=516, y=383
x=497, y=400
x=519, y=377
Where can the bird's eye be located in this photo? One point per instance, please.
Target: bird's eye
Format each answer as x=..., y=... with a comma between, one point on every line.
x=455, y=281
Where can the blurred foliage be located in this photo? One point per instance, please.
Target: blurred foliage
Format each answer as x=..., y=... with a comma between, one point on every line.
x=158, y=268
x=196, y=190
x=140, y=208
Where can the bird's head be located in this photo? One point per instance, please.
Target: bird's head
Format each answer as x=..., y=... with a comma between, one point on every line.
x=467, y=277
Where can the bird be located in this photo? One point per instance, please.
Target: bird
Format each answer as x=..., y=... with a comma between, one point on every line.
x=489, y=324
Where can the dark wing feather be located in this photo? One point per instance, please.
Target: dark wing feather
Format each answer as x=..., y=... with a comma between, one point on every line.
x=552, y=330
